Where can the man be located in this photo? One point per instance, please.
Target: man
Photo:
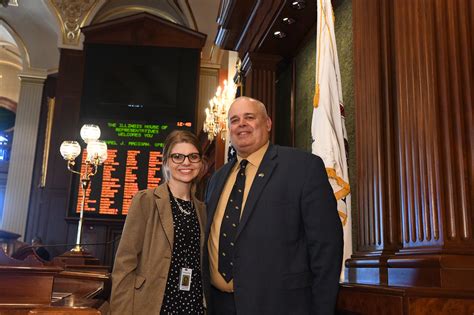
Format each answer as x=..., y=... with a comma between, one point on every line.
x=282, y=252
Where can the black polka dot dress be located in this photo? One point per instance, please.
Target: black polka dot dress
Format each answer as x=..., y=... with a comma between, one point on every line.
x=186, y=253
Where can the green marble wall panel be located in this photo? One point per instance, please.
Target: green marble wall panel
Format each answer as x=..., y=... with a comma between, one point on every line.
x=305, y=80
x=343, y=29
x=283, y=105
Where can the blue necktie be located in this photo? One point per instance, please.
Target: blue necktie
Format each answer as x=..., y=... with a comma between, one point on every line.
x=229, y=225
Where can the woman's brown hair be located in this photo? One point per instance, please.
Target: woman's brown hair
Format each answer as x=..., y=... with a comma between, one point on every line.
x=175, y=137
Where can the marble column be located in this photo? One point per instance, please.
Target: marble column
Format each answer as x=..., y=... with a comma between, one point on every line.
x=17, y=195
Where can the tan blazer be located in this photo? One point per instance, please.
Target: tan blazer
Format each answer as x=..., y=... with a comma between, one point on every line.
x=144, y=253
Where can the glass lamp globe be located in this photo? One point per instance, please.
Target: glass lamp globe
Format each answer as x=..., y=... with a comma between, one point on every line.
x=90, y=133
x=70, y=150
x=102, y=152
x=96, y=150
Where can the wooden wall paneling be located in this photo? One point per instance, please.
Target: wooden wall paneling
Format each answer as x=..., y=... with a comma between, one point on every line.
x=95, y=234
x=376, y=300
x=391, y=205
x=367, y=58
x=365, y=301
x=114, y=234
x=260, y=74
x=143, y=29
x=439, y=306
x=379, y=229
x=432, y=77
x=53, y=208
x=258, y=25
x=468, y=95
x=459, y=160
x=410, y=117
x=48, y=205
x=293, y=102
x=32, y=227
x=413, y=92
x=412, y=97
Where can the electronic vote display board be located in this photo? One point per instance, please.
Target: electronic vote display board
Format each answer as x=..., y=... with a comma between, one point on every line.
x=135, y=155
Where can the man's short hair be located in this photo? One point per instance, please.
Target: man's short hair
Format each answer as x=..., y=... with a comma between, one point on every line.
x=261, y=106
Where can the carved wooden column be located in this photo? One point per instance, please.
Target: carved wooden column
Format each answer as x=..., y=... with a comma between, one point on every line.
x=377, y=189
x=434, y=81
x=259, y=71
x=414, y=96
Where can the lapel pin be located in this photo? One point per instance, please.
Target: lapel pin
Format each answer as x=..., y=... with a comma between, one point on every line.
x=261, y=175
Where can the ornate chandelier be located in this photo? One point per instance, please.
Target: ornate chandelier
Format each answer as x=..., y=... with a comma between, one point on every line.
x=216, y=113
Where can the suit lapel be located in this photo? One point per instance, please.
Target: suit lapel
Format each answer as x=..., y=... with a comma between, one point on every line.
x=201, y=215
x=164, y=211
x=260, y=181
x=216, y=193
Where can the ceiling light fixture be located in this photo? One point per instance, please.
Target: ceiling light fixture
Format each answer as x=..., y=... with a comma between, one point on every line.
x=288, y=20
x=279, y=34
x=298, y=4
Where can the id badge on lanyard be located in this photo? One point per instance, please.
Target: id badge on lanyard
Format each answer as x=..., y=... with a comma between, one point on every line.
x=185, y=279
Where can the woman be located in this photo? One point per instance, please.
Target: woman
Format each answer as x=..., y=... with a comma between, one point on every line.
x=158, y=263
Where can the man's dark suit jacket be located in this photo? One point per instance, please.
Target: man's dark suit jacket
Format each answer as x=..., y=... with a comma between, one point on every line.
x=289, y=243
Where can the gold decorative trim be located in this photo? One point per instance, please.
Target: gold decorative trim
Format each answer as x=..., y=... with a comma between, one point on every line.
x=341, y=193
x=129, y=10
x=47, y=141
x=72, y=14
x=12, y=64
x=345, y=188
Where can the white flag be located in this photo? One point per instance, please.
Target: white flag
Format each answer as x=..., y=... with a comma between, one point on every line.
x=328, y=128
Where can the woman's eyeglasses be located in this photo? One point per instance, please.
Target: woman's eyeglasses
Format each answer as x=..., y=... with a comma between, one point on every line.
x=179, y=158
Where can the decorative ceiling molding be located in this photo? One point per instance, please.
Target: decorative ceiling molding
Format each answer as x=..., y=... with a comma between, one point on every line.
x=72, y=15
x=8, y=103
x=17, y=47
x=130, y=10
x=214, y=57
x=9, y=53
x=190, y=14
x=13, y=64
x=143, y=29
x=33, y=74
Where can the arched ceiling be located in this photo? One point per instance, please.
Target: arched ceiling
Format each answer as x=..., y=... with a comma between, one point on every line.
x=44, y=26
x=36, y=29
x=120, y=8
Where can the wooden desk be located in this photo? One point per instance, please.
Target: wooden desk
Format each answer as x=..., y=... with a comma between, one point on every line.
x=29, y=287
